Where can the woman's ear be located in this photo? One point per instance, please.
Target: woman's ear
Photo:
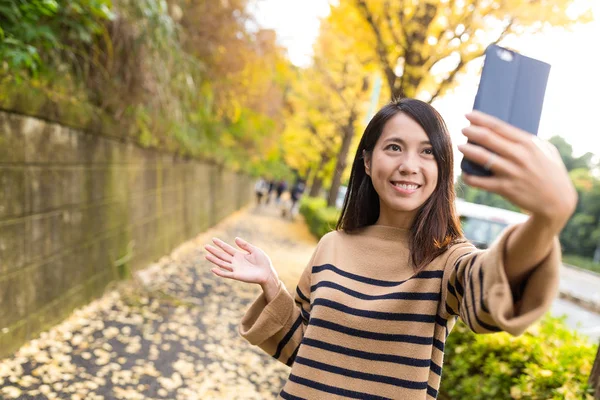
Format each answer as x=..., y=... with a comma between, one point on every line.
x=366, y=156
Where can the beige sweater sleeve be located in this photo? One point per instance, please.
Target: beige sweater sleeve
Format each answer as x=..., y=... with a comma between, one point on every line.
x=278, y=327
x=476, y=288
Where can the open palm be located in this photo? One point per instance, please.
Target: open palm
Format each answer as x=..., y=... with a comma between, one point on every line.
x=250, y=264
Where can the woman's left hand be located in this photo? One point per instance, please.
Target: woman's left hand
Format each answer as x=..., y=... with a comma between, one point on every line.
x=527, y=171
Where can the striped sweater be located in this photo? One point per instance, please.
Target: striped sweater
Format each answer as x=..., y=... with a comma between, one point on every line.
x=361, y=324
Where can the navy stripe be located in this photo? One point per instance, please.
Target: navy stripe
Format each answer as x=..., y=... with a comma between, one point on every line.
x=292, y=358
x=429, y=275
x=301, y=295
x=451, y=289
x=387, y=316
x=287, y=337
x=372, y=335
x=288, y=396
x=484, y=325
x=449, y=310
x=414, y=362
x=459, y=287
x=432, y=392
x=438, y=344
x=436, y=368
x=483, y=306
x=440, y=321
x=390, y=380
x=335, y=390
x=389, y=296
x=375, y=282
x=305, y=314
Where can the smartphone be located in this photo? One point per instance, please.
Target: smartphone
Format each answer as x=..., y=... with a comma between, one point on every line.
x=512, y=88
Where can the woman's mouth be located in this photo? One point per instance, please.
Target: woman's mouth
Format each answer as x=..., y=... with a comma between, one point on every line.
x=405, y=187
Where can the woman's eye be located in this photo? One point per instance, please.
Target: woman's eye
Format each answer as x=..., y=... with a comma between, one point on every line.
x=394, y=147
x=428, y=151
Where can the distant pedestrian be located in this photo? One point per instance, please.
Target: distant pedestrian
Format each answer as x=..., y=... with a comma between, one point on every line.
x=260, y=188
x=272, y=185
x=295, y=195
x=281, y=187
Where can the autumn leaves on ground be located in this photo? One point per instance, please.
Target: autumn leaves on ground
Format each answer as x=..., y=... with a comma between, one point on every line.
x=170, y=333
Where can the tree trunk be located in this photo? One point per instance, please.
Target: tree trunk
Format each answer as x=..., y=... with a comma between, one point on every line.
x=317, y=183
x=340, y=165
x=594, y=380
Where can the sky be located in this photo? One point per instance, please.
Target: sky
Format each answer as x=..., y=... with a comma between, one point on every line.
x=572, y=102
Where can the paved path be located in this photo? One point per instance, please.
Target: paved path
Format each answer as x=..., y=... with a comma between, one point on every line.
x=175, y=340
x=580, y=284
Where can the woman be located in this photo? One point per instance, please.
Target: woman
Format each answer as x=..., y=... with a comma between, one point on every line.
x=375, y=304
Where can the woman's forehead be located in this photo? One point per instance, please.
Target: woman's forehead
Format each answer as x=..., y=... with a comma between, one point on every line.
x=403, y=127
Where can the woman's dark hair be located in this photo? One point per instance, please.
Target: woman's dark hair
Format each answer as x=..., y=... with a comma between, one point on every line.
x=436, y=225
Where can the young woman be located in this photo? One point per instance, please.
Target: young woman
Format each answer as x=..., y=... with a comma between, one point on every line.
x=375, y=304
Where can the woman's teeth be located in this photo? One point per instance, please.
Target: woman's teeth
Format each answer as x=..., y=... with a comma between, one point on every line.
x=405, y=186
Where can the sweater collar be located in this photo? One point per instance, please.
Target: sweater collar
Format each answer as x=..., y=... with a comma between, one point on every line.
x=383, y=232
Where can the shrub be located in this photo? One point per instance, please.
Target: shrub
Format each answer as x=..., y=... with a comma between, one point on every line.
x=319, y=218
x=549, y=361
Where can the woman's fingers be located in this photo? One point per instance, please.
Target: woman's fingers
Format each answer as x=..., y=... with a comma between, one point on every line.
x=226, y=247
x=222, y=273
x=486, y=158
x=497, y=125
x=219, y=253
x=489, y=183
x=244, y=245
x=218, y=262
x=491, y=141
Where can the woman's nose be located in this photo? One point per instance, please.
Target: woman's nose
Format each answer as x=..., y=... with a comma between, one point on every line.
x=409, y=164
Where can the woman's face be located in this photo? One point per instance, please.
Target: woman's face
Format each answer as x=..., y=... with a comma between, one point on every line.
x=403, y=170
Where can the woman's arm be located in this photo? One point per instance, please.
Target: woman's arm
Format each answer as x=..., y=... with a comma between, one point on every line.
x=276, y=321
x=530, y=174
x=526, y=248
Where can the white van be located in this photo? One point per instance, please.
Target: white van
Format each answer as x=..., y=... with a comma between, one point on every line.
x=482, y=224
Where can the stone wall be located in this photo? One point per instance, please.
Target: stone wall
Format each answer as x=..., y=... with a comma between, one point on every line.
x=78, y=210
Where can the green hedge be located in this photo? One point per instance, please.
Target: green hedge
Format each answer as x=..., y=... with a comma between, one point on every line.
x=581, y=262
x=319, y=218
x=549, y=361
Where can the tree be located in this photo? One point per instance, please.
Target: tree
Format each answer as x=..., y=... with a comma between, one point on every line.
x=345, y=75
x=325, y=109
x=566, y=153
x=421, y=46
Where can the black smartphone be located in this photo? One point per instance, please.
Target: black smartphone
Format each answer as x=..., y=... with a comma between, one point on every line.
x=512, y=88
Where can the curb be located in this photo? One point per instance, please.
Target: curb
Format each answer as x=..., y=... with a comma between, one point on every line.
x=587, y=271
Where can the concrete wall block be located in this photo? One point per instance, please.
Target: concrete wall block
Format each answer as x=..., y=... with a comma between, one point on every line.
x=90, y=149
x=12, y=245
x=49, y=143
x=49, y=282
x=15, y=296
x=47, y=234
x=48, y=188
x=13, y=192
x=12, y=148
x=11, y=339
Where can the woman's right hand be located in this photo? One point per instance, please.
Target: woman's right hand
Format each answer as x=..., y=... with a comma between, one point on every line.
x=252, y=265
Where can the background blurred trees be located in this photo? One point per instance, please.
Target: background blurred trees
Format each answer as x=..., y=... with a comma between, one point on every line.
x=197, y=78
x=420, y=47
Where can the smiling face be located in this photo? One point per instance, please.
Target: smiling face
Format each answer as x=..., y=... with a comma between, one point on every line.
x=403, y=170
